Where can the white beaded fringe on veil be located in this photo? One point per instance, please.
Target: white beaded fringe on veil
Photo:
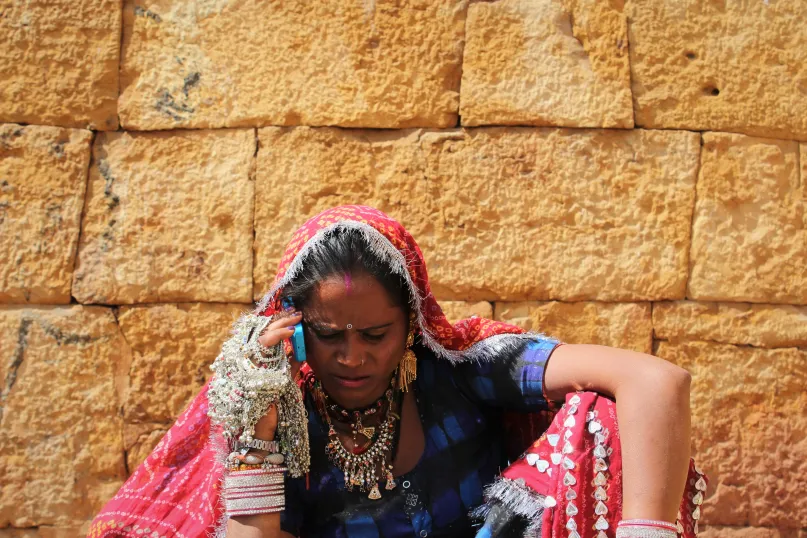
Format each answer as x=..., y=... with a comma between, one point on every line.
x=386, y=252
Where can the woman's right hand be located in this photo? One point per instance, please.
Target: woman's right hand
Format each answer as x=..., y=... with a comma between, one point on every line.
x=274, y=333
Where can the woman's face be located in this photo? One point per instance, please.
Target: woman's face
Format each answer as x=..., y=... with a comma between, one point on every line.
x=355, y=336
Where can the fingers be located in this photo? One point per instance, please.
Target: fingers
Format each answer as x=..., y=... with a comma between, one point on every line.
x=279, y=330
x=267, y=425
x=293, y=319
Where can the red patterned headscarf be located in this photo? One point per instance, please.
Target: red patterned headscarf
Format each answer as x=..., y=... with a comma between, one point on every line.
x=394, y=245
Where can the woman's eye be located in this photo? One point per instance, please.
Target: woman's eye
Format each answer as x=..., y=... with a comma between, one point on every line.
x=374, y=337
x=327, y=336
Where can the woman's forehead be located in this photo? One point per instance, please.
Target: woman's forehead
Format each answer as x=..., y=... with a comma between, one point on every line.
x=357, y=295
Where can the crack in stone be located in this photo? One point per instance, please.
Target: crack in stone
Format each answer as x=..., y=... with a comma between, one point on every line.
x=692, y=217
x=574, y=34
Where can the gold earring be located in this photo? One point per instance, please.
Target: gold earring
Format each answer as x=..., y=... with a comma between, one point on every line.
x=408, y=368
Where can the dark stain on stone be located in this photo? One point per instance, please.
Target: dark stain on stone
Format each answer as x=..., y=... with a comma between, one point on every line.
x=53, y=212
x=292, y=118
x=197, y=264
x=140, y=11
x=16, y=133
x=191, y=81
x=57, y=149
x=54, y=222
x=7, y=136
x=108, y=237
x=3, y=211
x=168, y=106
x=112, y=199
x=16, y=360
x=65, y=338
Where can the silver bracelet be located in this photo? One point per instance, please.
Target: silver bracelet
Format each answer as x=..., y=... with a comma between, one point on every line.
x=273, y=447
x=645, y=528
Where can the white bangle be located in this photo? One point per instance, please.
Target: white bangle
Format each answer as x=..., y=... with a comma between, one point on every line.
x=645, y=528
x=256, y=491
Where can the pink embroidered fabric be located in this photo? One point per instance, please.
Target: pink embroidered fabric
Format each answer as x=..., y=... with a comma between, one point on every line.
x=576, y=465
x=175, y=491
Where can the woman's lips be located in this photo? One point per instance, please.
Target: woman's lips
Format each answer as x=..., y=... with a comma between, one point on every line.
x=352, y=382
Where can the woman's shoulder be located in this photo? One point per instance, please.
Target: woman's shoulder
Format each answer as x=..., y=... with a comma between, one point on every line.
x=443, y=374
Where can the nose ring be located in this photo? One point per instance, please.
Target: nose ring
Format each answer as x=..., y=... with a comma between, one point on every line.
x=362, y=362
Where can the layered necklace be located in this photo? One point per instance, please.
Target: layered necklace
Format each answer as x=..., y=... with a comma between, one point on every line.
x=371, y=461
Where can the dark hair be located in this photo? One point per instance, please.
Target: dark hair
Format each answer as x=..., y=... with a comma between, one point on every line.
x=345, y=251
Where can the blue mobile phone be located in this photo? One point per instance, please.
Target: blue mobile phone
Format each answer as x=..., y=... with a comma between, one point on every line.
x=297, y=339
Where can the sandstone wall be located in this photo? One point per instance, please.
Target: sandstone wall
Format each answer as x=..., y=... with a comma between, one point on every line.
x=624, y=172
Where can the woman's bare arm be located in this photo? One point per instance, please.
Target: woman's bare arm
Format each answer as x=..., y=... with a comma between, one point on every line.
x=652, y=401
x=257, y=526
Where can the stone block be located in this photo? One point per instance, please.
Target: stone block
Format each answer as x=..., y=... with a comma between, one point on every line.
x=546, y=63
x=757, y=325
x=500, y=213
x=59, y=62
x=457, y=310
x=746, y=532
x=173, y=346
x=65, y=369
x=620, y=325
x=168, y=217
x=749, y=431
x=722, y=66
x=749, y=232
x=43, y=177
x=199, y=63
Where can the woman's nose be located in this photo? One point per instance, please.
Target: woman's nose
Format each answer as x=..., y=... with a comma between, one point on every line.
x=350, y=355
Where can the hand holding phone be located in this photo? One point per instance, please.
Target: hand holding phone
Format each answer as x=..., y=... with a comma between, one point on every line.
x=297, y=338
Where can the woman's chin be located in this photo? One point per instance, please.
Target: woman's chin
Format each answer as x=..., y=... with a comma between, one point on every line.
x=354, y=393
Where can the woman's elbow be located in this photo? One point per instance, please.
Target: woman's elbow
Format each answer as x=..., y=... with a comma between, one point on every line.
x=675, y=381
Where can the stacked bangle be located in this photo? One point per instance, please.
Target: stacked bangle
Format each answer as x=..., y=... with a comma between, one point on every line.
x=645, y=528
x=254, y=491
x=273, y=447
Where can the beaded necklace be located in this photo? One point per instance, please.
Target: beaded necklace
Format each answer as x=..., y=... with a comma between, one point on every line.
x=356, y=426
x=360, y=466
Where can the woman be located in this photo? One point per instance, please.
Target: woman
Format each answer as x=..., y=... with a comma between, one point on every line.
x=409, y=418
